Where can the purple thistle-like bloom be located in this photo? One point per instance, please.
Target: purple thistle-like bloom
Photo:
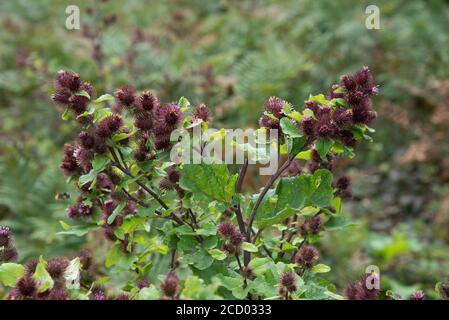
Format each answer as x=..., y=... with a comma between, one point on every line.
x=87, y=139
x=109, y=125
x=360, y=291
x=308, y=126
x=147, y=102
x=62, y=96
x=274, y=106
x=306, y=256
x=9, y=254
x=97, y=293
x=417, y=295
x=68, y=80
x=58, y=293
x=288, y=281
x=311, y=226
x=170, y=286
x=237, y=238
x=143, y=121
x=125, y=96
x=26, y=286
x=343, y=183
x=56, y=267
x=143, y=283
x=226, y=229
x=201, y=112
x=103, y=181
x=169, y=114
x=69, y=164
x=173, y=175
x=5, y=236
x=270, y=123
x=162, y=142
x=83, y=158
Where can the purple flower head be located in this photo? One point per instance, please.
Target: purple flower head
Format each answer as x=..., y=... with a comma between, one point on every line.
x=143, y=121
x=56, y=267
x=109, y=125
x=142, y=283
x=125, y=96
x=237, y=239
x=58, y=293
x=83, y=158
x=288, y=281
x=274, y=106
x=87, y=139
x=5, y=236
x=147, y=102
x=103, y=181
x=417, y=295
x=26, y=286
x=62, y=96
x=170, y=286
x=69, y=164
x=226, y=229
x=360, y=291
x=68, y=80
x=306, y=256
x=170, y=114
x=97, y=293
x=270, y=123
x=201, y=112
x=9, y=254
x=308, y=126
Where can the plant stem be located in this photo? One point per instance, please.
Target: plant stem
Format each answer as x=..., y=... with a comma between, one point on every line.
x=238, y=189
x=269, y=184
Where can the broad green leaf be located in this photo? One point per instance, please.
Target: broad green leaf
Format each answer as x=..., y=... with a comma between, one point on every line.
x=200, y=259
x=249, y=247
x=10, y=273
x=42, y=277
x=289, y=128
x=340, y=221
x=210, y=180
x=323, y=191
x=320, y=268
x=104, y=97
x=217, y=254
x=323, y=145
x=150, y=293
x=259, y=265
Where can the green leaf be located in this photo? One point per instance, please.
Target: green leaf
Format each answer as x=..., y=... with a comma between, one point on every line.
x=116, y=212
x=320, y=268
x=121, y=136
x=83, y=93
x=323, y=146
x=200, y=259
x=340, y=221
x=249, y=247
x=210, y=180
x=42, y=277
x=10, y=273
x=323, y=191
x=113, y=256
x=65, y=115
x=259, y=265
x=217, y=254
x=77, y=230
x=104, y=97
x=150, y=293
x=289, y=128
x=295, y=145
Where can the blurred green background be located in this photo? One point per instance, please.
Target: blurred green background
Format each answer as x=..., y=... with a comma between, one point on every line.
x=232, y=55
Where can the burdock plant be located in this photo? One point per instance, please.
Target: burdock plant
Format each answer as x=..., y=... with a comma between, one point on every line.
x=219, y=241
